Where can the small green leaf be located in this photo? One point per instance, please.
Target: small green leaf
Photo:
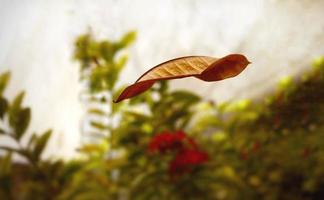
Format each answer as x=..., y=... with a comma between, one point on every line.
x=112, y=77
x=136, y=115
x=23, y=121
x=185, y=96
x=19, y=121
x=31, y=141
x=96, y=111
x=318, y=62
x=98, y=125
x=81, y=50
x=90, y=148
x=4, y=78
x=121, y=62
x=285, y=82
x=99, y=79
x=3, y=107
x=19, y=117
x=107, y=51
x=205, y=122
x=40, y=144
x=127, y=39
x=18, y=100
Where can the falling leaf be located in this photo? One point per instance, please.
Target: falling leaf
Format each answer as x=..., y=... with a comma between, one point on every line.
x=202, y=67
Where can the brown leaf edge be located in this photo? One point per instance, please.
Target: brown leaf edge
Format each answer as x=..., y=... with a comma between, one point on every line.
x=223, y=68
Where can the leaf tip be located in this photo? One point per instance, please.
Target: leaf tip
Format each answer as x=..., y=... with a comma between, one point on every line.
x=116, y=100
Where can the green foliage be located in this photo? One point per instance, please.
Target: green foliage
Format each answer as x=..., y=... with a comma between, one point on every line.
x=37, y=178
x=243, y=138
x=19, y=116
x=101, y=63
x=266, y=149
x=4, y=78
x=3, y=106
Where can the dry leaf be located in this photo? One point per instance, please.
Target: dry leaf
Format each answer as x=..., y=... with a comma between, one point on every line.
x=202, y=67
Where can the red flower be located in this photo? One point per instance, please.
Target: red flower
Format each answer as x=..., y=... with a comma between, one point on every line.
x=167, y=141
x=185, y=151
x=186, y=160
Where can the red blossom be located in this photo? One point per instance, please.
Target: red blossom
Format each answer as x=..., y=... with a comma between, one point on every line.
x=186, y=160
x=168, y=141
x=184, y=149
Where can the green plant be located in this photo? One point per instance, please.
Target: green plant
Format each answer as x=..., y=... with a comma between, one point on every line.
x=100, y=65
x=32, y=177
x=240, y=138
x=271, y=148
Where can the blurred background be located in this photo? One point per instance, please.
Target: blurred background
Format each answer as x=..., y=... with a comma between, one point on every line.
x=37, y=45
x=280, y=37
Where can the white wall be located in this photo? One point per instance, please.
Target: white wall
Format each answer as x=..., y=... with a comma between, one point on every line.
x=36, y=41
